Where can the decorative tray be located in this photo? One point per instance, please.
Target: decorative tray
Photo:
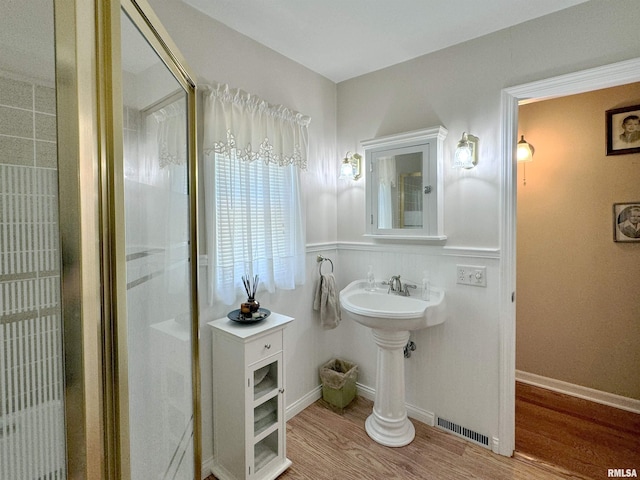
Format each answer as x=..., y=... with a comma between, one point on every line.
x=258, y=316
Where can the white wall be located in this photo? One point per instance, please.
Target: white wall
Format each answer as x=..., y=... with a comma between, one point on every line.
x=454, y=372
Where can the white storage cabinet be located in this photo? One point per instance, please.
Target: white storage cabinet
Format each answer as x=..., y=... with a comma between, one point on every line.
x=249, y=428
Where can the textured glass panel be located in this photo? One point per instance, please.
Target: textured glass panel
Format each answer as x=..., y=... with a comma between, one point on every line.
x=32, y=430
x=157, y=259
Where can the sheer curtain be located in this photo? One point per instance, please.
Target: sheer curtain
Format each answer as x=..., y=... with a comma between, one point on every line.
x=386, y=180
x=254, y=218
x=156, y=180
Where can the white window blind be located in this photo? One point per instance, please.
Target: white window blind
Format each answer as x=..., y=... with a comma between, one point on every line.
x=252, y=197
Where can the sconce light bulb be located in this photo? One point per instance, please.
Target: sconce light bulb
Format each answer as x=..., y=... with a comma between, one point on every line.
x=525, y=150
x=346, y=170
x=465, y=155
x=350, y=167
x=523, y=153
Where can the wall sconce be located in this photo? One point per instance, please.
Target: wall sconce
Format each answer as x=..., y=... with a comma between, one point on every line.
x=466, y=155
x=525, y=150
x=524, y=154
x=350, y=167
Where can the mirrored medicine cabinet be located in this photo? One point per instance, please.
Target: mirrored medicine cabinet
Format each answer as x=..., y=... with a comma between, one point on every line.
x=404, y=185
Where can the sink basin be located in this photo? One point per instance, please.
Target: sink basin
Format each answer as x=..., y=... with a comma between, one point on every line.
x=391, y=319
x=384, y=311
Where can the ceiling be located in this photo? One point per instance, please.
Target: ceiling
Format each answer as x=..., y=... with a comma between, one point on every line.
x=341, y=39
x=338, y=39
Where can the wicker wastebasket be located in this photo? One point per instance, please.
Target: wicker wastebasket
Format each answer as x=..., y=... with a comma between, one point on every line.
x=338, y=382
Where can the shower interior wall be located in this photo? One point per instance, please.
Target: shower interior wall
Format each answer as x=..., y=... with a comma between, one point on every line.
x=31, y=363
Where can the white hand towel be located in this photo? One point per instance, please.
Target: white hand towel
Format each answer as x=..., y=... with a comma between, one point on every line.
x=326, y=301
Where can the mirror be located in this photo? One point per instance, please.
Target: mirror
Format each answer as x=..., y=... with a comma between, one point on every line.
x=399, y=189
x=404, y=185
x=410, y=193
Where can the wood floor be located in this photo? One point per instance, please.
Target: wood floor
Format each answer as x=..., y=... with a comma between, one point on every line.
x=581, y=436
x=324, y=445
x=556, y=438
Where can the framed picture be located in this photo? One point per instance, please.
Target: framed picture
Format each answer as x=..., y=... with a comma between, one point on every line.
x=626, y=222
x=623, y=130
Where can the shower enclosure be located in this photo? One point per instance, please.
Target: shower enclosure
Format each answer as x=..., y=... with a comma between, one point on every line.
x=32, y=434
x=98, y=309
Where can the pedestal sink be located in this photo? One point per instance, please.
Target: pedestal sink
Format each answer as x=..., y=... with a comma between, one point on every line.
x=391, y=319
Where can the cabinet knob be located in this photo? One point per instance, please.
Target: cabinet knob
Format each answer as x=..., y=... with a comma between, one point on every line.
x=267, y=346
x=281, y=390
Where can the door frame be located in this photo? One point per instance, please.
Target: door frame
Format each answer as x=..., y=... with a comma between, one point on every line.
x=82, y=308
x=606, y=76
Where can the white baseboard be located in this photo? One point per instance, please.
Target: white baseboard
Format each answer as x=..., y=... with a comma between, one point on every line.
x=302, y=403
x=419, y=414
x=598, y=396
x=207, y=467
x=495, y=445
x=366, y=392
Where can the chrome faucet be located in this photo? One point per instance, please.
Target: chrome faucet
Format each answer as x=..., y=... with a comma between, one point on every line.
x=396, y=286
x=407, y=286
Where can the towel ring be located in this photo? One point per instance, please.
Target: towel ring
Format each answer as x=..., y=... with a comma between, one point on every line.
x=320, y=259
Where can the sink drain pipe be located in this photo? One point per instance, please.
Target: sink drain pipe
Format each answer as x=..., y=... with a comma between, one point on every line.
x=408, y=348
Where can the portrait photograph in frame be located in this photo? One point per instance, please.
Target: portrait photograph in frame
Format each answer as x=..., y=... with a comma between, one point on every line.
x=623, y=130
x=626, y=222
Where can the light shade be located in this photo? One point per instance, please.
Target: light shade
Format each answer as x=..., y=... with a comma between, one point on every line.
x=350, y=167
x=525, y=151
x=466, y=154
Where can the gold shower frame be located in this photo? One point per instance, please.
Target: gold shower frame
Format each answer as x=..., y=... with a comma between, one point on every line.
x=89, y=99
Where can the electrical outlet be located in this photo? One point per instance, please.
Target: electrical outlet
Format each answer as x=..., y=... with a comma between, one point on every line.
x=462, y=274
x=471, y=275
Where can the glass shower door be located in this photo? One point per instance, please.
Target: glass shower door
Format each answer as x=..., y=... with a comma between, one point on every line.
x=159, y=293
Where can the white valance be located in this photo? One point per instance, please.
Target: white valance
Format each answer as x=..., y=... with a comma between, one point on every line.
x=166, y=132
x=172, y=133
x=243, y=126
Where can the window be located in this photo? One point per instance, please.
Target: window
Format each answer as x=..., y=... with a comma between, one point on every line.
x=258, y=226
x=252, y=197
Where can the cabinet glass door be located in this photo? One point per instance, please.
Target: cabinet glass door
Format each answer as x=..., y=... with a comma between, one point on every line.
x=267, y=410
x=266, y=450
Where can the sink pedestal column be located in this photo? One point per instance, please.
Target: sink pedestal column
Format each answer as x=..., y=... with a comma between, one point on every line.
x=388, y=424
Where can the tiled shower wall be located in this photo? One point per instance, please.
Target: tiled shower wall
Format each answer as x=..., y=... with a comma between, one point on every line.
x=30, y=354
